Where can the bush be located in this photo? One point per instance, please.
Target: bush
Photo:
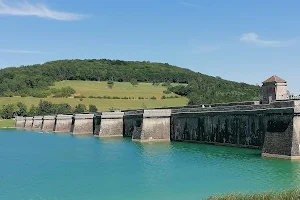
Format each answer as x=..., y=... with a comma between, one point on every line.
x=80, y=108
x=153, y=98
x=93, y=108
x=134, y=82
x=167, y=92
x=8, y=111
x=116, y=98
x=22, y=109
x=110, y=84
x=163, y=97
x=166, y=84
x=141, y=98
x=79, y=97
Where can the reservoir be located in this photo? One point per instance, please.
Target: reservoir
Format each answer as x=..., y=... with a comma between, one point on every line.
x=43, y=166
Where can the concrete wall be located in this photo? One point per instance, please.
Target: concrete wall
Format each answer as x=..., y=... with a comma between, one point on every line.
x=237, y=128
x=275, y=129
x=48, y=123
x=133, y=125
x=281, y=91
x=83, y=124
x=19, y=122
x=111, y=124
x=63, y=123
x=28, y=122
x=155, y=126
x=37, y=122
x=283, y=133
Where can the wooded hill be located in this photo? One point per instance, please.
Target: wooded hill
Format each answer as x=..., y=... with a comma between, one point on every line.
x=34, y=80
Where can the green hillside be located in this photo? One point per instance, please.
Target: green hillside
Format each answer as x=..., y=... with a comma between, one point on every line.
x=35, y=80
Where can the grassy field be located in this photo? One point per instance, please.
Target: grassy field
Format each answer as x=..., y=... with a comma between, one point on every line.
x=293, y=194
x=93, y=88
x=7, y=123
x=124, y=89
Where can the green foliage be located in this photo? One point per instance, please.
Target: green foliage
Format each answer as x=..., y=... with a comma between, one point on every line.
x=45, y=108
x=153, y=98
x=166, y=84
x=63, y=92
x=110, y=84
x=163, y=97
x=33, y=111
x=8, y=111
x=22, y=109
x=35, y=80
x=293, y=194
x=80, y=108
x=63, y=108
x=93, y=108
x=134, y=82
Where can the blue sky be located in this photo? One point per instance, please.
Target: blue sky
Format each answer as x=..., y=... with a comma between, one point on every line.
x=246, y=41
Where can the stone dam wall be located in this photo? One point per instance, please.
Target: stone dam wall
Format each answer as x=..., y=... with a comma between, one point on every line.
x=274, y=128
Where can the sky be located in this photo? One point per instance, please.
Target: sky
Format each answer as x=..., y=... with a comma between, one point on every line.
x=244, y=41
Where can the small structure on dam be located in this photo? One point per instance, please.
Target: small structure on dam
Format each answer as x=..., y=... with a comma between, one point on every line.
x=272, y=124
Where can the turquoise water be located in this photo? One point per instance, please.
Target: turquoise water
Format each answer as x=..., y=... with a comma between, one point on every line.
x=35, y=166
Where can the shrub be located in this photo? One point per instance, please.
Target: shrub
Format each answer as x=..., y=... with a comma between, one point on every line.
x=134, y=82
x=141, y=98
x=93, y=108
x=110, y=84
x=166, y=84
x=153, y=98
x=116, y=98
x=167, y=92
x=163, y=97
x=80, y=108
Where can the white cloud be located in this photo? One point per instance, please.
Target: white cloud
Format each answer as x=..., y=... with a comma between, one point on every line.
x=19, y=51
x=39, y=10
x=253, y=38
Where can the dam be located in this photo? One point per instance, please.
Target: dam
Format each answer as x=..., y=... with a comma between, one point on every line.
x=271, y=125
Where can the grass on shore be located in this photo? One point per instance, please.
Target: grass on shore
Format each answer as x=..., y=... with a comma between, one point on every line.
x=7, y=123
x=293, y=194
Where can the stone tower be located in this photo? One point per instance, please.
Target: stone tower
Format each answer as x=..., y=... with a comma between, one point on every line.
x=274, y=88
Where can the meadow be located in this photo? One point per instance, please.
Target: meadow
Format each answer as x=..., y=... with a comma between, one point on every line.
x=144, y=91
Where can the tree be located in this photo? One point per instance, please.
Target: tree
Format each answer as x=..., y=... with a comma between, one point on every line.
x=80, y=108
x=93, y=108
x=45, y=108
x=63, y=108
x=8, y=111
x=33, y=111
x=22, y=109
x=134, y=82
x=110, y=84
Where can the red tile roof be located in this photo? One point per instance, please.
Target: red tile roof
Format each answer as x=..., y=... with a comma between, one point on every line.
x=275, y=79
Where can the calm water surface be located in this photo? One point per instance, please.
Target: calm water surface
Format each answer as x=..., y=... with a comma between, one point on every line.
x=35, y=166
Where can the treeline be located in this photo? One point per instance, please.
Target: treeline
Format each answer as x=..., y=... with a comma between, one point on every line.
x=44, y=108
x=35, y=80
